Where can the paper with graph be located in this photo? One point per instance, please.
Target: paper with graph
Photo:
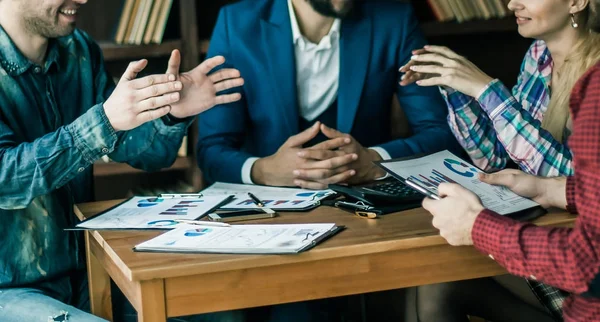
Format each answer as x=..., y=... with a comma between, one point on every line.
x=431, y=170
x=153, y=212
x=240, y=239
x=275, y=198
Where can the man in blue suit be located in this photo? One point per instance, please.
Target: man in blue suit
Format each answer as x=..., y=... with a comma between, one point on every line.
x=320, y=79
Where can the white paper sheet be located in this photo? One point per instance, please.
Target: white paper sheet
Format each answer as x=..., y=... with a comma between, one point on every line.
x=153, y=213
x=272, y=197
x=243, y=239
x=431, y=170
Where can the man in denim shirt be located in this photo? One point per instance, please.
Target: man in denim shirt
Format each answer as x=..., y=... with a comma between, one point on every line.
x=60, y=112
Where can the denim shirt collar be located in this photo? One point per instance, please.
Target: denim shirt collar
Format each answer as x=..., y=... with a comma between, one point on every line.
x=15, y=63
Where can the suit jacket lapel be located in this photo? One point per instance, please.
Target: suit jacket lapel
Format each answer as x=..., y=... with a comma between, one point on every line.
x=276, y=32
x=355, y=53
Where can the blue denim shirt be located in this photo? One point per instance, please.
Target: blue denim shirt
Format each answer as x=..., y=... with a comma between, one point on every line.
x=52, y=129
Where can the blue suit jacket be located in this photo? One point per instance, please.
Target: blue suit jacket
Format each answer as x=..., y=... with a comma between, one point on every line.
x=255, y=36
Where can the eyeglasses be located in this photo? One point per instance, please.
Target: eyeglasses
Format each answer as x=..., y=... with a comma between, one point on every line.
x=359, y=209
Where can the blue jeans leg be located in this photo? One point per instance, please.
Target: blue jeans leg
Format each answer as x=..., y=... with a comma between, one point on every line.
x=27, y=304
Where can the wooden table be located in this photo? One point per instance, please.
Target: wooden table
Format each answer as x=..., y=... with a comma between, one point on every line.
x=396, y=251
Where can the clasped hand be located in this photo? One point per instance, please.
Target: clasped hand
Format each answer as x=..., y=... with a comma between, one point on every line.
x=341, y=159
x=137, y=101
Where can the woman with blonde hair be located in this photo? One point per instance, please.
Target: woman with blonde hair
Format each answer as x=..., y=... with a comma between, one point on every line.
x=529, y=126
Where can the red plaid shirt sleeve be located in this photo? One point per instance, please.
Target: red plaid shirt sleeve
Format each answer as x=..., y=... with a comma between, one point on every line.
x=571, y=206
x=568, y=258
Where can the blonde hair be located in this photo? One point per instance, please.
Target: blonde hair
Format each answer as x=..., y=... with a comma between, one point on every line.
x=584, y=55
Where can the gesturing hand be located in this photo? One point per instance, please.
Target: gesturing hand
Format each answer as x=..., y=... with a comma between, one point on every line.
x=548, y=192
x=362, y=166
x=440, y=66
x=200, y=89
x=455, y=214
x=137, y=101
x=279, y=168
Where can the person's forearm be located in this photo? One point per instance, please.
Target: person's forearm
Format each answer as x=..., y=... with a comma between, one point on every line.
x=555, y=192
x=32, y=169
x=154, y=145
x=258, y=173
x=375, y=172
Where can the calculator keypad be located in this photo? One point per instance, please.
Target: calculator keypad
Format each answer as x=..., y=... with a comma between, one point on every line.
x=395, y=188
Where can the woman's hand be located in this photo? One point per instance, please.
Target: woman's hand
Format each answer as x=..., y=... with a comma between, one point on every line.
x=548, y=192
x=440, y=66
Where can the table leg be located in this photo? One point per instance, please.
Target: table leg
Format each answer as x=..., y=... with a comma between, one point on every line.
x=153, y=304
x=99, y=283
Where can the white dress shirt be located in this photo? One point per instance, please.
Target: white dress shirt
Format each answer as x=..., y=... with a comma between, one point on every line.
x=317, y=77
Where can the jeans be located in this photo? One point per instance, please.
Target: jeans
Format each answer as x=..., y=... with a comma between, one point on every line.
x=69, y=298
x=33, y=305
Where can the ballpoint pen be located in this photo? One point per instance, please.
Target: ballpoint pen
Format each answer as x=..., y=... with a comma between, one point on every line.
x=422, y=190
x=181, y=195
x=256, y=200
x=359, y=209
x=202, y=223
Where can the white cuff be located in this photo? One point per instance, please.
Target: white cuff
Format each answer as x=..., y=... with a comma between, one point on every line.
x=247, y=170
x=382, y=152
x=384, y=156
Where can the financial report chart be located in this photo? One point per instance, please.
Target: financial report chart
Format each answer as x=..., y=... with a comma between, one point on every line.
x=182, y=208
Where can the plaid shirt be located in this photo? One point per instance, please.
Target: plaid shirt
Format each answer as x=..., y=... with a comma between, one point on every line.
x=568, y=258
x=500, y=125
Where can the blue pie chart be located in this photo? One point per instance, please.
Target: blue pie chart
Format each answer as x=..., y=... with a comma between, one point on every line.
x=197, y=232
x=162, y=223
x=150, y=202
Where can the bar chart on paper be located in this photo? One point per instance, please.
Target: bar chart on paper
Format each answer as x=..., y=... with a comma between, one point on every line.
x=276, y=198
x=182, y=208
x=432, y=181
x=443, y=167
x=154, y=212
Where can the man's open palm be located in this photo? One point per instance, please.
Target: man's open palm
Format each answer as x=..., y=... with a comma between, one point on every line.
x=200, y=89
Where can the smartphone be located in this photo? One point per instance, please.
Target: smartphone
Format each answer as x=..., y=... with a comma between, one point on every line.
x=239, y=215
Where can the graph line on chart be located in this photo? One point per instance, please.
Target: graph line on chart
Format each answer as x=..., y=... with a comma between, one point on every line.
x=433, y=181
x=181, y=208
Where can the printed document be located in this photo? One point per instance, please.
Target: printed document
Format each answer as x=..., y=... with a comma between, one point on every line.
x=275, y=198
x=240, y=239
x=431, y=170
x=154, y=212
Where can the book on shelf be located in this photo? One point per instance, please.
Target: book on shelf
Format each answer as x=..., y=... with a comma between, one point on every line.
x=462, y=10
x=142, y=22
x=124, y=21
x=161, y=23
x=156, y=8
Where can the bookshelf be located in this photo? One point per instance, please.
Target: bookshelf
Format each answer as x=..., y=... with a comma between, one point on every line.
x=114, y=52
x=101, y=20
x=452, y=28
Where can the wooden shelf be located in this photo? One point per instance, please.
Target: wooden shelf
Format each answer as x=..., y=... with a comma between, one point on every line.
x=436, y=29
x=114, y=52
x=104, y=169
x=203, y=46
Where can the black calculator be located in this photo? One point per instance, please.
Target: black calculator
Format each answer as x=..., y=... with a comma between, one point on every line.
x=384, y=192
